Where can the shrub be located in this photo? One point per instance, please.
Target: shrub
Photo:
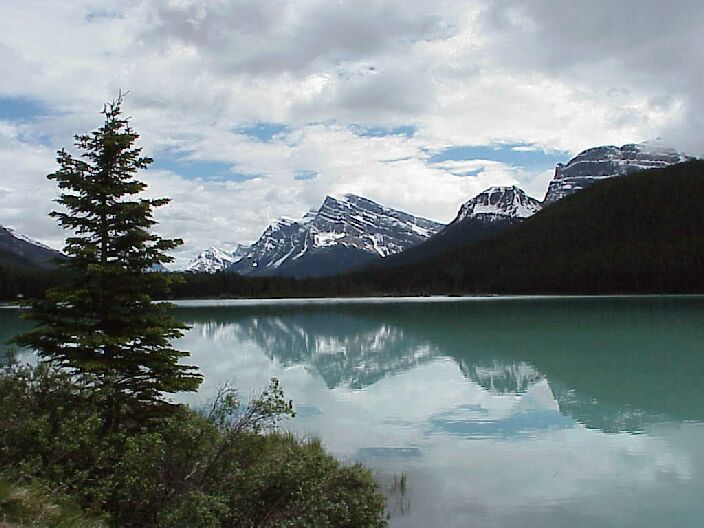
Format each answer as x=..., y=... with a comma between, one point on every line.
x=220, y=467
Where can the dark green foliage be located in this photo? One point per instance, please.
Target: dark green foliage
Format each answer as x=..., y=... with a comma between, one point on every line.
x=13, y=262
x=22, y=282
x=224, y=284
x=101, y=323
x=40, y=507
x=467, y=232
x=223, y=467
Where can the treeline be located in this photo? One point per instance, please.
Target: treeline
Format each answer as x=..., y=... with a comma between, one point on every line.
x=17, y=284
x=224, y=284
x=30, y=283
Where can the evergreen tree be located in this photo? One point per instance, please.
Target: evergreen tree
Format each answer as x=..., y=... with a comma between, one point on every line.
x=102, y=325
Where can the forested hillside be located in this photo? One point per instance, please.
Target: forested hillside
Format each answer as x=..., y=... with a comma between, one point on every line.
x=637, y=233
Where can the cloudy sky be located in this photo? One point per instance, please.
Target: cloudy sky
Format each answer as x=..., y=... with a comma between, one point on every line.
x=255, y=109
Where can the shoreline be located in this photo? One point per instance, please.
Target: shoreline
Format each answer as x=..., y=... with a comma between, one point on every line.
x=256, y=301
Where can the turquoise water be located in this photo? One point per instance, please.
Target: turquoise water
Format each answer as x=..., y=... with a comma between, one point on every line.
x=502, y=412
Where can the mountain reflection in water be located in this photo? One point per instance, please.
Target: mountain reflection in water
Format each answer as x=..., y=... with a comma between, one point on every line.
x=612, y=365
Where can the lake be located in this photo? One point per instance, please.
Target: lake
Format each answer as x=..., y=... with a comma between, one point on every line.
x=500, y=412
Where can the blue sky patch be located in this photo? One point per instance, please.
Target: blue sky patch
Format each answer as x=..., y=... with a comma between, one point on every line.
x=475, y=425
x=377, y=131
x=21, y=108
x=512, y=154
x=263, y=132
x=207, y=170
x=101, y=13
x=305, y=175
x=464, y=173
x=388, y=452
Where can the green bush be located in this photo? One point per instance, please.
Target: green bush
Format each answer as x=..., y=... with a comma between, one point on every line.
x=37, y=506
x=219, y=467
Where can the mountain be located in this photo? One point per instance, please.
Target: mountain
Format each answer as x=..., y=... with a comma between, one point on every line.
x=486, y=215
x=642, y=232
x=158, y=268
x=213, y=259
x=19, y=251
x=284, y=240
x=603, y=162
x=344, y=233
x=497, y=204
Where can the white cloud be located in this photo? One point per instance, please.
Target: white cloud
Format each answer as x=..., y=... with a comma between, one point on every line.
x=25, y=193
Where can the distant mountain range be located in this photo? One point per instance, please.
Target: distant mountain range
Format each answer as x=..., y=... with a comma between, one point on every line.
x=212, y=259
x=346, y=232
x=353, y=232
x=489, y=213
x=350, y=232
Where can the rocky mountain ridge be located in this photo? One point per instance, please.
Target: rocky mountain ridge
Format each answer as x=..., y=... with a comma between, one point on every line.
x=212, y=259
x=345, y=231
x=608, y=161
x=498, y=203
x=25, y=250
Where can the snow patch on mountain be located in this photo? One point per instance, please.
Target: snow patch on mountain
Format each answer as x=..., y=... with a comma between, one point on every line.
x=212, y=259
x=499, y=203
x=28, y=240
x=608, y=161
x=27, y=248
x=346, y=221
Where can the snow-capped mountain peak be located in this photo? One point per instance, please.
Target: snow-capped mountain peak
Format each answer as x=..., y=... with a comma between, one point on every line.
x=607, y=161
x=213, y=259
x=499, y=203
x=355, y=221
x=25, y=238
x=347, y=222
x=27, y=248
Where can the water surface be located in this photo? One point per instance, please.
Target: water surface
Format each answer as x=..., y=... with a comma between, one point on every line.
x=502, y=412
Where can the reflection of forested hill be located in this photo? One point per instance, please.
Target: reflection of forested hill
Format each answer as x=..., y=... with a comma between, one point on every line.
x=613, y=364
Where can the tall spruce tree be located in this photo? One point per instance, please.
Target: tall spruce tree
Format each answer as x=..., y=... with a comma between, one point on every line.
x=102, y=325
